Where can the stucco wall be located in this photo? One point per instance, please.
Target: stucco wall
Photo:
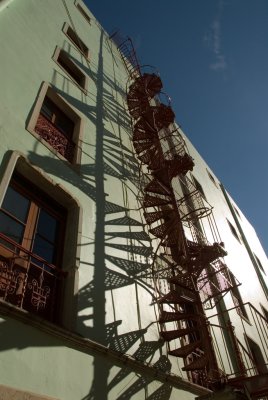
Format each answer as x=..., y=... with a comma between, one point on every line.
x=113, y=289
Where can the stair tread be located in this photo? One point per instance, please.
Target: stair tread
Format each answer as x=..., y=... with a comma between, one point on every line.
x=184, y=351
x=198, y=363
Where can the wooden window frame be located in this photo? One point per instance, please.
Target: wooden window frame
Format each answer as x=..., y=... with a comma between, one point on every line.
x=29, y=280
x=71, y=253
x=38, y=200
x=47, y=90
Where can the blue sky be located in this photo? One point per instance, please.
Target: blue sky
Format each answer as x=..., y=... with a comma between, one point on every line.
x=212, y=56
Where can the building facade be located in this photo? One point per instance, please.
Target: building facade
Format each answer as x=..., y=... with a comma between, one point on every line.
x=126, y=269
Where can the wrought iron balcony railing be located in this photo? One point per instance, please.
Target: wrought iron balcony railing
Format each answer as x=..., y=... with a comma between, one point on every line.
x=53, y=136
x=28, y=281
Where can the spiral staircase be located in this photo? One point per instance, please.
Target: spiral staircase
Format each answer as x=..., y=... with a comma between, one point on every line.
x=170, y=217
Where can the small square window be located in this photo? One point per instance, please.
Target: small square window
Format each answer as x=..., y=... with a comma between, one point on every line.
x=83, y=12
x=56, y=124
x=64, y=61
x=75, y=39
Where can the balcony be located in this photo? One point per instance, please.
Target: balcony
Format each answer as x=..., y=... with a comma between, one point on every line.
x=55, y=138
x=27, y=281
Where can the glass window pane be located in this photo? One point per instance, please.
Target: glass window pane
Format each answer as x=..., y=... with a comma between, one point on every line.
x=10, y=228
x=47, y=226
x=44, y=249
x=16, y=204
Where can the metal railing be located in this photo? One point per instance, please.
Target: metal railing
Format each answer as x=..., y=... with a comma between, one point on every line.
x=26, y=280
x=249, y=346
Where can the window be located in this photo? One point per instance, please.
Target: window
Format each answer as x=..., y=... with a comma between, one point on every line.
x=56, y=128
x=198, y=187
x=32, y=229
x=259, y=263
x=257, y=356
x=63, y=60
x=240, y=308
x=237, y=299
x=83, y=12
x=212, y=178
x=233, y=230
x=75, y=39
x=237, y=212
x=265, y=312
x=56, y=125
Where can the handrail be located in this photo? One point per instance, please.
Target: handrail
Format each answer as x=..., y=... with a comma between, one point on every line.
x=29, y=254
x=257, y=311
x=244, y=304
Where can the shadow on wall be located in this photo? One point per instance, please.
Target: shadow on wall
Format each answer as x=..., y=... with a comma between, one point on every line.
x=115, y=160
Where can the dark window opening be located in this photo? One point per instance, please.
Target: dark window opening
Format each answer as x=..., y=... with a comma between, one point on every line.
x=237, y=212
x=265, y=312
x=52, y=112
x=257, y=356
x=82, y=11
x=32, y=229
x=212, y=178
x=237, y=299
x=233, y=230
x=56, y=128
x=71, y=68
x=259, y=263
x=199, y=187
x=77, y=41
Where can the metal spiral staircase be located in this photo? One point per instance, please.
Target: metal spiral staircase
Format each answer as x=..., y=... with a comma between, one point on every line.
x=175, y=220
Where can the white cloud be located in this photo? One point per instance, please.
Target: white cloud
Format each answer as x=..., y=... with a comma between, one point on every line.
x=213, y=40
x=219, y=64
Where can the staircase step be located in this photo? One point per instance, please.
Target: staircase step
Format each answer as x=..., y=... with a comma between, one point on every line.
x=177, y=333
x=198, y=363
x=156, y=187
x=184, y=351
x=182, y=282
x=152, y=201
x=169, y=316
x=172, y=297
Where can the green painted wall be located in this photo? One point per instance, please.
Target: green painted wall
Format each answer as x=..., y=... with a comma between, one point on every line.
x=110, y=302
